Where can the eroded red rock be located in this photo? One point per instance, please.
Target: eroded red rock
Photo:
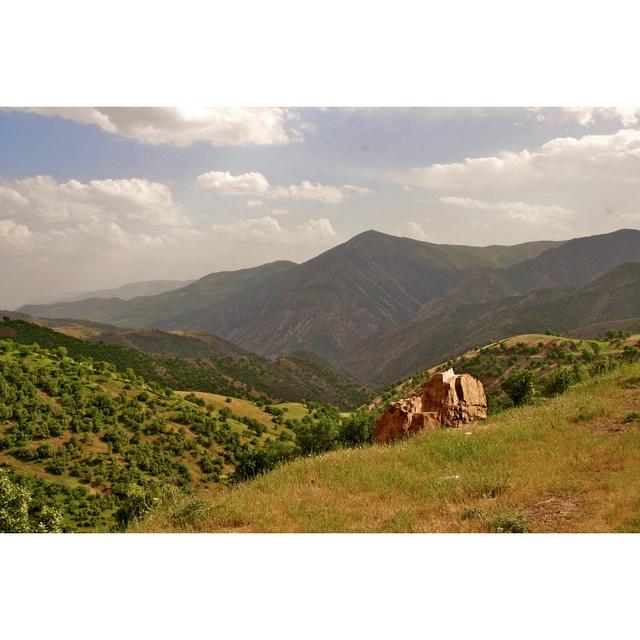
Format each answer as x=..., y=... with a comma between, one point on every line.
x=446, y=400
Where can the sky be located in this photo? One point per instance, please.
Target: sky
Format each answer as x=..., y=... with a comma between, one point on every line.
x=94, y=198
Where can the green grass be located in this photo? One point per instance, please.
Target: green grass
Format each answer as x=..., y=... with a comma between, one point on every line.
x=568, y=464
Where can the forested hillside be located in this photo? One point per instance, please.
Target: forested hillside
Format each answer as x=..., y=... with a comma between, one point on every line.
x=195, y=362
x=89, y=447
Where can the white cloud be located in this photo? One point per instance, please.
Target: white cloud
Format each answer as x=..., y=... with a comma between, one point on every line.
x=534, y=214
x=278, y=212
x=255, y=204
x=45, y=200
x=15, y=238
x=592, y=158
x=223, y=183
x=411, y=229
x=267, y=229
x=587, y=116
x=182, y=126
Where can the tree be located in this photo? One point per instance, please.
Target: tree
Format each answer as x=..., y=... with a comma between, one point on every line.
x=15, y=501
x=357, y=428
x=520, y=386
x=559, y=381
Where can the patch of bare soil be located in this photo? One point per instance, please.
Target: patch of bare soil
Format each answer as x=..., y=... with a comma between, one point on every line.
x=552, y=514
x=610, y=426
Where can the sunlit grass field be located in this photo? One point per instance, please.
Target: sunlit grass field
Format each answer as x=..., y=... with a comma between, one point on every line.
x=569, y=464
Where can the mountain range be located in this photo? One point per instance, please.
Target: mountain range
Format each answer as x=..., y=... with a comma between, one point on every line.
x=379, y=307
x=125, y=292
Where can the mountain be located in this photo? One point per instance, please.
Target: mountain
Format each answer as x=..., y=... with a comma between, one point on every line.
x=158, y=311
x=393, y=354
x=125, y=292
x=575, y=262
x=369, y=284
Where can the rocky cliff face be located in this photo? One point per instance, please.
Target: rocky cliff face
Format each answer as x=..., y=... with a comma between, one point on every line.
x=446, y=400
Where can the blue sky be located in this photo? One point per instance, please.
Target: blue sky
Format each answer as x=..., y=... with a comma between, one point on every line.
x=93, y=198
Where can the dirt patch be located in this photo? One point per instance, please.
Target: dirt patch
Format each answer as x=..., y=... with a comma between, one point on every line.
x=611, y=426
x=553, y=514
x=7, y=332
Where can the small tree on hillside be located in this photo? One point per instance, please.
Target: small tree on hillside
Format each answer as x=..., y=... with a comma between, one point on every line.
x=520, y=386
x=357, y=428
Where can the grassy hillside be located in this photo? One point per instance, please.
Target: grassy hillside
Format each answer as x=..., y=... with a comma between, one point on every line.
x=544, y=354
x=249, y=409
x=566, y=464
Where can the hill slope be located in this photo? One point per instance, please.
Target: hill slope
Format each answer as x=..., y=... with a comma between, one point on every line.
x=542, y=353
x=568, y=464
x=100, y=445
x=394, y=354
x=201, y=362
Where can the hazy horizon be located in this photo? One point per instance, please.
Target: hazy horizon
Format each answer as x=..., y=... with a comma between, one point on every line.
x=98, y=198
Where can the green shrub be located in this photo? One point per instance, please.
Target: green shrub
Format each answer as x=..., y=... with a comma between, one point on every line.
x=520, y=386
x=507, y=523
x=558, y=382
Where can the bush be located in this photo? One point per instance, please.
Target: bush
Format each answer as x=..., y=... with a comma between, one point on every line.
x=520, y=386
x=357, y=429
x=508, y=524
x=558, y=382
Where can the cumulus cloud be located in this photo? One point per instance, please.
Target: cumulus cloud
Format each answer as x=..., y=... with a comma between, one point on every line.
x=267, y=229
x=592, y=158
x=411, y=229
x=45, y=200
x=254, y=184
x=535, y=214
x=15, y=239
x=219, y=127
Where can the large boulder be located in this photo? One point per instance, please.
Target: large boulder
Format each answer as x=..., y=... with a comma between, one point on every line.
x=446, y=400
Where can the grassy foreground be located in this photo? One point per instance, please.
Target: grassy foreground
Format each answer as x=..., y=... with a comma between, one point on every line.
x=569, y=464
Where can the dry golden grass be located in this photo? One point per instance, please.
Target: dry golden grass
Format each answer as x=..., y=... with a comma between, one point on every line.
x=568, y=464
x=247, y=408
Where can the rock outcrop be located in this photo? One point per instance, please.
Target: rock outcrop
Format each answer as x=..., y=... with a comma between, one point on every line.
x=446, y=400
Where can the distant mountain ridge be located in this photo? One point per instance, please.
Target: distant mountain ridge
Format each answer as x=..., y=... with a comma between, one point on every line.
x=371, y=283
x=575, y=262
x=377, y=292
x=124, y=292
x=393, y=354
